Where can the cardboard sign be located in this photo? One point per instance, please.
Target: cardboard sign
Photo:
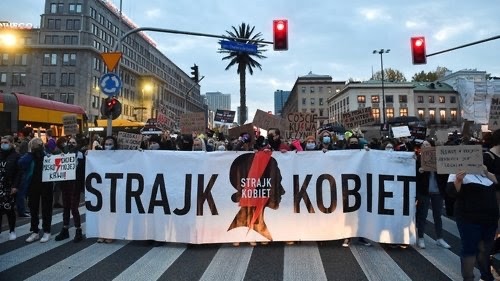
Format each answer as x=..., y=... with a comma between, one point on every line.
x=61, y=167
x=428, y=158
x=358, y=118
x=70, y=124
x=224, y=116
x=494, y=121
x=193, y=122
x=129, y=141
x=401, y=131
x=266, y=121
x=237, y=131
x=301, y=125
x=452, y=159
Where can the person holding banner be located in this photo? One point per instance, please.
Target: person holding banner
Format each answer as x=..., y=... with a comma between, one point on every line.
x=430, y=188
x=477, y=215
x=71, y=198
x=274, y=140
x=39, y=192
x=10, y=179
x=326, y=141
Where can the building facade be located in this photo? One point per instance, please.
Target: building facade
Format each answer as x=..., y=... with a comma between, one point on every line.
x=217, y=100
x=280, y=98
x=310, y=93
x=61, y=61
x=437, y=104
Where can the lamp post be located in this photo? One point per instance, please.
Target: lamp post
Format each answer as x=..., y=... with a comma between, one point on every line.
x=381, y=52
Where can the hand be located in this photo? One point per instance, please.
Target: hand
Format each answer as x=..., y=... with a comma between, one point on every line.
x=460, y=176
x=13, y=191
x=421, y=170
x=325, y=150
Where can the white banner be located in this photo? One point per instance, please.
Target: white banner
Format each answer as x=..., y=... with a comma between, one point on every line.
x=60, y=167
x=217, y=197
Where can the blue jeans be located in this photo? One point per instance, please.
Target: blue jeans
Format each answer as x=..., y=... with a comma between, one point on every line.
x=477, y=242
x=423, y=209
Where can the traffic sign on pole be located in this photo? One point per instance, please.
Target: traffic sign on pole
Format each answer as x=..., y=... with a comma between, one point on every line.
x=111, y=59
x=110, y=84
x=238, y=46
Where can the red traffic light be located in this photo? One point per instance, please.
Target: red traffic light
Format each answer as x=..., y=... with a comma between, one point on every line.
x=418, y=51
x=280, y=32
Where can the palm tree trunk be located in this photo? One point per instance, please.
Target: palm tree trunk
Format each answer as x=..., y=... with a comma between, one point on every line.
x=243, y=102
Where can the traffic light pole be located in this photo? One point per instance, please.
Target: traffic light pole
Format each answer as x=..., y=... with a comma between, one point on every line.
x=466, y=45
x=164, y=30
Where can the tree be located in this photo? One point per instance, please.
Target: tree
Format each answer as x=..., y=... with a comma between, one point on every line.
x=430, y=76
x=392, y=75
x=244, y=60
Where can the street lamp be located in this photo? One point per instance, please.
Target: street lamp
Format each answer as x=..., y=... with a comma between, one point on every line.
x=381, y=52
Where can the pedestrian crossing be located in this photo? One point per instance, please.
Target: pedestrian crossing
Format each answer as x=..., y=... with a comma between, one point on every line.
x=139, y=260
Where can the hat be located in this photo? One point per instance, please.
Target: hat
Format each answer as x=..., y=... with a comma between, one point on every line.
x=155, y=138
x=310, y=138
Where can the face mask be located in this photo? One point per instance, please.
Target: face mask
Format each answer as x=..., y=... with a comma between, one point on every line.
x=108, y=146
x=389, y=148
x=326, y=140
x=221, y=148
x=154, y=146
x=353, y=146
x=5, y=146
x=310, y=146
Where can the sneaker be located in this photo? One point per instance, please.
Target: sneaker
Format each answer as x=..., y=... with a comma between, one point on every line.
x=346, y=243
x=45, y=238
x=12, y=236
x=33, y=237
x=442, y=243
x=421, y=243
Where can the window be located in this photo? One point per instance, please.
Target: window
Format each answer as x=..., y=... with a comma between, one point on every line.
x=53, y=8
x=51, y=39
x=95, y=102
x=361, y=99
x=329, y=89
x=48, y=79
x=320, y=89
x=47, y=96
x=403, y=111
x=5, y=59
x=403, y=98
x=311, y=89
x=420, y=99
x=303, y=90
x=68, y=98
x=421, y=114
x=21, y=59
x=442, y=99
x=376, y=113
x=93, y=13
x=320, y=101
x=75, y=8
x=375, y=99
x=432, y=115
x=389, y=99
x=70, y=40
x=67, y=79
x=453, y=99
x=69, y=59
x=321, y=112
x=54, y=24
x=3, y=79
x=304, y=100
x=73, y=24
x=390, y=113
x=453, y=115
x=50, y=59
x=431, y=99
x=442, y=115
x=18, y=79
x=313, y=101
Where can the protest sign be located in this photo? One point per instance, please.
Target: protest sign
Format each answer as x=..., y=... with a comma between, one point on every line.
x=428, y=158
x=401, y=131
x=70, y=124
x=266, y=121
x=494, y=121
x=193, y=122
x=301, y=125
x=358, y=118
x=129, y=140
x=61, y=167
x=237, y=131
x=224, y=116
x=452, y=159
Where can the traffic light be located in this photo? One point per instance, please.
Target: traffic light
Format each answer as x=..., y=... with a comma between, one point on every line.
x=280, y=32
x=111, y=108
x=194, y=73
x=418, y=51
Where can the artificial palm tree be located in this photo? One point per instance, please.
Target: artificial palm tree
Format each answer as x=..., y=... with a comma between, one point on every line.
x=244, y=34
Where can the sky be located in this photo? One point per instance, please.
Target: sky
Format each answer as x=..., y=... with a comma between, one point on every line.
x=335, y=38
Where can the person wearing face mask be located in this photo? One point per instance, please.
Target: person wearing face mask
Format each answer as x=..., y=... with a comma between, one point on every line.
x=110, y=143
x=310, y=143
x=274, y=140
x=326, y=141
x=71, y=199
x=10, y=178
x=154, y=143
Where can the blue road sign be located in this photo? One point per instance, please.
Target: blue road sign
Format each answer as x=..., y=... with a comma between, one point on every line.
x=110, y=84
x=238, y=46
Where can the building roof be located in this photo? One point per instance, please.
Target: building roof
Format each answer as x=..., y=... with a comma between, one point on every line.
x=432, y=87
x=313, y=76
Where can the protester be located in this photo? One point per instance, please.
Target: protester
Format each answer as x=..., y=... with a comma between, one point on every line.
x=430, y=189
x=39, y=192
x=10, y=178
x=274, y=140
x=476, y=213
x=71, y=199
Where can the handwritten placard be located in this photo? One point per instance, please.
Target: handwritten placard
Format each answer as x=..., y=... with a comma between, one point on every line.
x=266, y=121
x=70, y=124
x=357, y=118
x=129, y=141
x=60, y=167
x=451, y=159
x=193, y=122
x=401, y=131
x=301, y=125
x=494, y=120
x=428, y=158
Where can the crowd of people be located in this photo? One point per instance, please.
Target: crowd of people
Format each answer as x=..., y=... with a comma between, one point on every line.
x=470, y=198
